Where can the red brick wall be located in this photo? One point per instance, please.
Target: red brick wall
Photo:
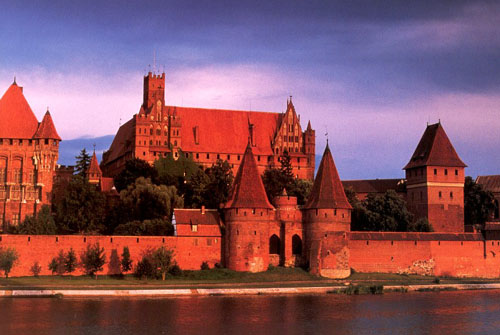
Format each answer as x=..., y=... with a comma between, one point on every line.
x=189, y=252
x=466, y=258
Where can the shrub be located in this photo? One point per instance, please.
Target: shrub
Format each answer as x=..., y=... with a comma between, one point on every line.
x=205, y=266
x=218, y=265
x=93, y=259
x=36, y=269
x=144, y=268
x=8, y=258
x=70, y=261
x=162, y=261
x=175, y=270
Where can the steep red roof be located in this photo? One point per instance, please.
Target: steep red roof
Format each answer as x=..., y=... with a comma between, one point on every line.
x=248, y=190
x=18, y=120
x=94, y=166
x=46, y=129
x=122, y=142
x=195, y=216
x=226, y=131
x=434, y=149
x=489, y=183
x=327, y=191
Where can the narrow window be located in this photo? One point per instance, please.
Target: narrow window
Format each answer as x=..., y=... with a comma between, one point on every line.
x=445, y=172
x=451, y=195
x=440, y=194
x=435, y=172
x=456, y=172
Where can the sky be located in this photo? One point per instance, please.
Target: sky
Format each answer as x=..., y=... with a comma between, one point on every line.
x=370, y=74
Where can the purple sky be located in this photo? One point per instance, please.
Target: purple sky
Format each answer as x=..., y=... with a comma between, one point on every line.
x=372, y=74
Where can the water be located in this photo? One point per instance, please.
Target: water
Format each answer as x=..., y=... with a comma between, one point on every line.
x=459, y=312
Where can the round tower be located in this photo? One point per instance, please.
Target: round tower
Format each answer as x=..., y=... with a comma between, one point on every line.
x=248, y=215
x=327, y=218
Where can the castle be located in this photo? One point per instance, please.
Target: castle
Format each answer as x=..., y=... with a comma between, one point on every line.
x=28, y=156
x=207, y=135
x=252, y=234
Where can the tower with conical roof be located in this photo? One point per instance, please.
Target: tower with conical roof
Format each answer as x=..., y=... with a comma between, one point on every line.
x=248, y=214
x=327, y=218
x=28, y=156
x=435, y=178
x=94, y=173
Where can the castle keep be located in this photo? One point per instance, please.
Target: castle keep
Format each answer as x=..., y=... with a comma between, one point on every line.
x=206, y=135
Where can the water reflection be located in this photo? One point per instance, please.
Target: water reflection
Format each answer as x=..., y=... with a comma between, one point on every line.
x=470, y=312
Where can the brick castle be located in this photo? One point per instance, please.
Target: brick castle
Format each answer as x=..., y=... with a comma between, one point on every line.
x=254, y=234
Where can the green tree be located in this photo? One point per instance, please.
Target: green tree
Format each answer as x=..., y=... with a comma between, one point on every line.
x=36, y=269
x=126, y=263
x=56, y=265
x=175, y=171
x=385, y=212
x=93, y=259
x=155, y=227
x=81, y=209
x=421, y=225
x=300, y=188
x=70, y=261
x=277, y=179
x=41, y=224
x=82, y=163
x=134, y=168
x=163, y=261
x=479, y=203
x=8, y=259
x=53, y=265
x=147, y=201
x=211, y=187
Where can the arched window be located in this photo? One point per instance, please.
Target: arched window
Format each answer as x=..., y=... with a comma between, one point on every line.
x=274, y=245
x=497, y=210
x=296, y=245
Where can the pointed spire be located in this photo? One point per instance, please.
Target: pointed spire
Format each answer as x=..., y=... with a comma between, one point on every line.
x=14, y=83
x=327, y=191
x=248, y=190
x=46, y=129
x=18, y=120
x=435, y=149
x=284, y=194
x=94, y=169
x=309, y=128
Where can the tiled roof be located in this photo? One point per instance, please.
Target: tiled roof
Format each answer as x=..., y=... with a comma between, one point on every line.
x=46, y=129
x=435, y=149
x=94, y=166
x=124, y=136
x=226, y=131
x=195, y=216
x=248, y=190
x=373, y=185
x=327, y=191
x=17, y=118
x=489, y=183
x=108, y=186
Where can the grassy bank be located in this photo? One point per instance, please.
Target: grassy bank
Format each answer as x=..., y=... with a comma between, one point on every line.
x=220, y=278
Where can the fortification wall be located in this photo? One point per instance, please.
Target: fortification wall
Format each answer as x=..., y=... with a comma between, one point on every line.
x=189, y=252
x=457, y=255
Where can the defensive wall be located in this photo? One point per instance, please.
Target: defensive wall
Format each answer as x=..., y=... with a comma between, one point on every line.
x=189, y=252
x=436, y=254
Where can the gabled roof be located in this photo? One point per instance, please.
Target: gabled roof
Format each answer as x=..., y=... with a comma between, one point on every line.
x=248, y=190
x=46, y=129
x=94, y=166
x=434, y=149
x=17, y=118
x=327, y=191
x=226, y=131
x=195, y=216
x=489, y=183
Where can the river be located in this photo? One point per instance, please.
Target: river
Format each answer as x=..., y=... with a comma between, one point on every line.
x=451, y=312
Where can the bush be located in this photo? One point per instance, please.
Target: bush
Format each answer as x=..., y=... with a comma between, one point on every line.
x=205, y=266
x=144, y=268
x=93, y=259
x=218, y=265
x=8, y=258
x=163, y=261
x=175, y=270
x=36, y=269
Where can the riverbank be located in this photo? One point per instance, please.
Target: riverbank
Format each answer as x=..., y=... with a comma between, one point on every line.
x=226, y=282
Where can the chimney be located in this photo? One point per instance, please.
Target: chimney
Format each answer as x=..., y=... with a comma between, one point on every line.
x=202, y=209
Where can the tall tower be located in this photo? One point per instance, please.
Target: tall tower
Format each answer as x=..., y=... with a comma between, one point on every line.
x=435, y=181
x=94, y=173
x=154, y=90
x=310, y=148
x=248, y=214
x=327, y=217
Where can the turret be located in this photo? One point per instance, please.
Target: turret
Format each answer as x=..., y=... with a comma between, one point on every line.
x=327, y=216
x=94, y=173
x=310, y=148
x=248, y=214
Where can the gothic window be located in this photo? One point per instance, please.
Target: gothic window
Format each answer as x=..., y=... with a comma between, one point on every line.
x=150, y=131
x=30, y=193
x=3, y=193
x=296, y=245
x=274, y=245
x=175, y=143
x=18, y=177
x=150, y=142
x=16, y=192
x=15, y=219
